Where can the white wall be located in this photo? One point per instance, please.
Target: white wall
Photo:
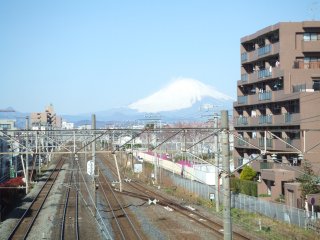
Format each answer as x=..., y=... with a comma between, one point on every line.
x=204, y=173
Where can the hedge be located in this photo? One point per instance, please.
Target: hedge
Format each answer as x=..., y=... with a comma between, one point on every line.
x=244, y=186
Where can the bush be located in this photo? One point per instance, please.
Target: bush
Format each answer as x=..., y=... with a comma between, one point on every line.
x=243, y=186
x=248, y=173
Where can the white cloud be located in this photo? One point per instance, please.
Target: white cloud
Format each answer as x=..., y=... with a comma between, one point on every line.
x=181, y=93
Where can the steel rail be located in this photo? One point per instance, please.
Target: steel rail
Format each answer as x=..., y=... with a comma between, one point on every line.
x=29, y=227
x=122, y=209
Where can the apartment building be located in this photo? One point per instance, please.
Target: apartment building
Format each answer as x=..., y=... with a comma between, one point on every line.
x=46, y=118
x=277, y=112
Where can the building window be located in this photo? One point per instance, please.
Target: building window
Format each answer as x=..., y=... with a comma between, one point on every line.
x=5, y=126
x=299, y=88
x=311, y=37
x=316, y=85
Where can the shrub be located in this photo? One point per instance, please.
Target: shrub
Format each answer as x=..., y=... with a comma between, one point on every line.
x=248, y=173
x=243, y=186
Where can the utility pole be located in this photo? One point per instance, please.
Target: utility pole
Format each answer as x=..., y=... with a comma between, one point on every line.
x=226, y=176
x=93, y=127
x=155, y=167
x=27, y=156
x=216, y=159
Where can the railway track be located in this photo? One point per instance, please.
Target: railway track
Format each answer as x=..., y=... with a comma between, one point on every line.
x=69, y=224
x=145, y=193
x=195, y=216
x=27, y=221
x=121, y=223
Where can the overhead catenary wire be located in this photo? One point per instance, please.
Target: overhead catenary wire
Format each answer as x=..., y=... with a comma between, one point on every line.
x=93, y=202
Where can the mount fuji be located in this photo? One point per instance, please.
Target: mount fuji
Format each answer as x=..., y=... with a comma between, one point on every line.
x=184, y=99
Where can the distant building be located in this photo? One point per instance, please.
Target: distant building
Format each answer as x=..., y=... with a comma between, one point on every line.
x=7, y=146
x=8, y=124
x=278, y=106
x=85, y=126
x=46, y=118
x=67, y=125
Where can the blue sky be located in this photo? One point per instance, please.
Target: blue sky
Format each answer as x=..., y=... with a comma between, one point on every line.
x=88, y=56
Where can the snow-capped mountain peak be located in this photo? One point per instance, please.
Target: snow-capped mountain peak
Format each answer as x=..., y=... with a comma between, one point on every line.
x=180, y=94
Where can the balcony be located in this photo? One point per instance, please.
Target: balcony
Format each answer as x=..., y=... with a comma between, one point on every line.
x=275, y=144
x=265, y=119
x=310, y=46
x=265, y=142
x=286, y=119
x=264, y=73
x=242, y=142
x=242, y=99
x=283, y=146
x=241, y=121
x=261, y=164
x=306, y=65
x=290, y=118
x=263, y=96
x=244, y=57
x=244, y=77
x=254, y=77
x=277, y=174
x=264, y=51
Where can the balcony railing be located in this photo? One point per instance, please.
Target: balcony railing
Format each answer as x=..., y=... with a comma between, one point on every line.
x=265, y=119
x=241, y=121
x=266, y=165
x=260, y=52
x=244, y=77
x=242, y=99
x=264, y=73
x=306, y=65
x=264, y=50
x=244, y=57
x=287, y=118
x=243, y=141
x=265, y=96
x=289, y=141
x=299, y=88
x=268, y=143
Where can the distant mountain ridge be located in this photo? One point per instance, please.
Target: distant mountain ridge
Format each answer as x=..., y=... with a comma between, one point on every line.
x=183, y=100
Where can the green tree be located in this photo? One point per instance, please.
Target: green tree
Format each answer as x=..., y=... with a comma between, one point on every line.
x=308, y=181
x=248, y=173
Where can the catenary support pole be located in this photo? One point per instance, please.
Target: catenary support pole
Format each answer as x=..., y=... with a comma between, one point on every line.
x=27, y=156
x=93, y=145
x=226, y=176
x=216, y=159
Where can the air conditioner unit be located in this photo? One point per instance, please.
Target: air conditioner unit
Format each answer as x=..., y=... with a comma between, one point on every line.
x=309, y=90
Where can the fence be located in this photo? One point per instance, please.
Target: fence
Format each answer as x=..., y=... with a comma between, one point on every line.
x=276, y=211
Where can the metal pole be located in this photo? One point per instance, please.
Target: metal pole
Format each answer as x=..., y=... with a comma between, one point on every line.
x=27, y=156
x=74, y=141
x=118, y=172
x=226, y=176
x=155, y=167
x=93, y=127
x=37, y=156
x=216, y=158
